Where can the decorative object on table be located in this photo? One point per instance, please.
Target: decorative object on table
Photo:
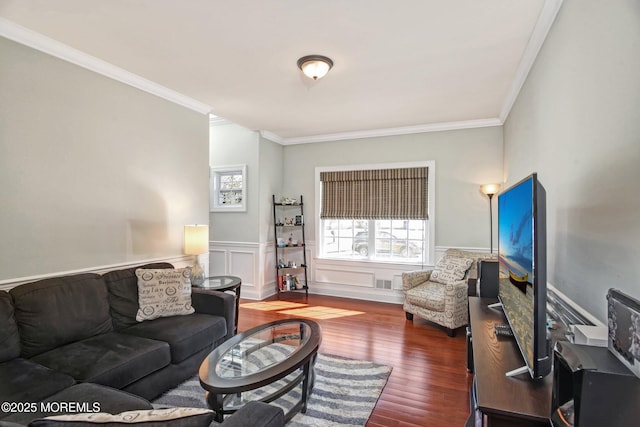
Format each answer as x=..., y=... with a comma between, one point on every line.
x=490, y=190
x=330, y=402
x=288, y=200
x=196, y=242
x=291, y=276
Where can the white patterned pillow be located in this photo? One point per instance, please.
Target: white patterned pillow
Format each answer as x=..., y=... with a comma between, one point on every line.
x=183, y=417
x=450, y=269
x=163, y=293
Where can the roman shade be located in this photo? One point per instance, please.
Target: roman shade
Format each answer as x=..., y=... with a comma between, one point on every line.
x=399, y=193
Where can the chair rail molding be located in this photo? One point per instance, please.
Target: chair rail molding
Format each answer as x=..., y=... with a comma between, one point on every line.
x=178, y=261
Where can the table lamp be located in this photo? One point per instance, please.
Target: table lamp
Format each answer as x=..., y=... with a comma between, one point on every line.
x=196, y=242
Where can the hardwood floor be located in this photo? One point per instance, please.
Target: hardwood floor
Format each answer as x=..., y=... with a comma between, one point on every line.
x=429, y=384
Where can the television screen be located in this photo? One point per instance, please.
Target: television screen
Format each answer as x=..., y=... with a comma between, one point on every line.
x=522, y=277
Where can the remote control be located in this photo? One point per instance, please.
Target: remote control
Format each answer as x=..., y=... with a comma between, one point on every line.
x=503, y=330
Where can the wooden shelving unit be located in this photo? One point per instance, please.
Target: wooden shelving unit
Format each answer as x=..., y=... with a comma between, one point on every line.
x=291, y=256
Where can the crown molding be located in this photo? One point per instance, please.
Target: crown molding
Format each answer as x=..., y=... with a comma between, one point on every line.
x=538, y=36
x=32, y=39
x=404, y=130
x=273, y=137
x=218, y=121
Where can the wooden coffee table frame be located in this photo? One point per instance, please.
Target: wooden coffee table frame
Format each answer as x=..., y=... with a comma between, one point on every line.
x=221, y=390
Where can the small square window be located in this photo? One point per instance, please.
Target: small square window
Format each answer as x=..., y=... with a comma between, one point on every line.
x=228, y=185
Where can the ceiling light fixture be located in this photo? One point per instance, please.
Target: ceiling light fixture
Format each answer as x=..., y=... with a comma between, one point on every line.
x=315, y=66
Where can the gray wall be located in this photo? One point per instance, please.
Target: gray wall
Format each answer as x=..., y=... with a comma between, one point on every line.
x=465, y=159
x=576, y=122
x=271, y=172
x=92, y=172
x=234, y=145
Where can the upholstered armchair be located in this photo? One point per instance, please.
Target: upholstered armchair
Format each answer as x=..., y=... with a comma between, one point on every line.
x=441, y=295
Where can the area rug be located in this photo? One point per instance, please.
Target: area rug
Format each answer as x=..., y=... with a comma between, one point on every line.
x=344, y=394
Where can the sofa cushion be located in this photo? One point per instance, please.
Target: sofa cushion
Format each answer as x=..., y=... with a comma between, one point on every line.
x=112, y=359
x=178, y=417
x=450, y=269
x=9, y=338
x=186, y=335
x=88, y=397
x=123, y=294
x=54, y=312
x=22, y=380
x=163, y=293
x=428, y=295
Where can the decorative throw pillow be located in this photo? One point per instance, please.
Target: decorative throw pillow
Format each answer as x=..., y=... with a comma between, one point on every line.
x=183, y=417
x=450, y=269
x=163, y=293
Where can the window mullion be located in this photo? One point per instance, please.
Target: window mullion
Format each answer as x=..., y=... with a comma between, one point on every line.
x=372, y=238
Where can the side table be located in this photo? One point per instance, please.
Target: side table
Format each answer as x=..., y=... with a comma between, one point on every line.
x=222, y=284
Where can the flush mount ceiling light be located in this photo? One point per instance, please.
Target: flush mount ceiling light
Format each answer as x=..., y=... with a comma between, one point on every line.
x=315, y=66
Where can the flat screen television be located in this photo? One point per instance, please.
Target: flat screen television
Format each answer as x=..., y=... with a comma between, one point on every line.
x=522, y=256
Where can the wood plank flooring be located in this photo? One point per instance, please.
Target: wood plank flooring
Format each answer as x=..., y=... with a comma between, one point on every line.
x=429, y=384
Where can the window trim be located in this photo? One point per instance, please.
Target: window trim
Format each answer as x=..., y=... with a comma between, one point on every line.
x=431, y=185
x=214, y=188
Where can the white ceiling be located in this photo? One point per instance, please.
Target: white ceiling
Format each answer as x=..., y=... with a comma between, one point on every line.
x=400, y=66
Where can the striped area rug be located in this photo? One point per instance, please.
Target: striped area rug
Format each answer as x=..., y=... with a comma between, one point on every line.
x=344, y=393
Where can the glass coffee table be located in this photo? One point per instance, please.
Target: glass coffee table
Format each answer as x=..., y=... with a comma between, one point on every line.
x=263, y=363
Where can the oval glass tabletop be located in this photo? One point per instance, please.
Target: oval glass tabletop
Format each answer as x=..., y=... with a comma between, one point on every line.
x=262, y=349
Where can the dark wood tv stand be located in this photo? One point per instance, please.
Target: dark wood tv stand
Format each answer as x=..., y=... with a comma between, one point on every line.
x=500, y=400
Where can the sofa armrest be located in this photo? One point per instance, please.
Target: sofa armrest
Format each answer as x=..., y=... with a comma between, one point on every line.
x=411, y=279
x=216, y=303
x=255, y=414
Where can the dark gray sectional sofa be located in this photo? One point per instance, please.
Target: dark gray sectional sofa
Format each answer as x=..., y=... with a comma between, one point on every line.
x=77, y=336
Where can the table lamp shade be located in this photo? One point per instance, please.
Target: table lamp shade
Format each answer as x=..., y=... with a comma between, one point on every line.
x=196, y=239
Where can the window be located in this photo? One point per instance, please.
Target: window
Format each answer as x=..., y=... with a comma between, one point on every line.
x=376, y=213
x=381, y=240
x=228, y=188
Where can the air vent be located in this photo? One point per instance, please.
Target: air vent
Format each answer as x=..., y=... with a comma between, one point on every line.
x=383, y=284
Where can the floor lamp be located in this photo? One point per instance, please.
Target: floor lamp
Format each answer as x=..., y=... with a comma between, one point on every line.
x=490, y=190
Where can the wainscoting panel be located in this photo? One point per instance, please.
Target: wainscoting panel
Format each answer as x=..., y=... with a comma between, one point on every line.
x=243, y=264
x=247, y=260
x=217, y=262
x=344, y=277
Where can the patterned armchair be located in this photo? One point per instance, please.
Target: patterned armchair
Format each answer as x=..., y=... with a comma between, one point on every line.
x=441, y=295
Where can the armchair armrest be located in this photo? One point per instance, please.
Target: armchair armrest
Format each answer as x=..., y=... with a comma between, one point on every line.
x=216, y=303
x=411, y=279
x=456, y=299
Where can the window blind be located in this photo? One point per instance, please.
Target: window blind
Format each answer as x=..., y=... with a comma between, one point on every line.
x=399, y=193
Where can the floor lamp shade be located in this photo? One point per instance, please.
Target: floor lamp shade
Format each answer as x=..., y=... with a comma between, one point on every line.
x=196, y=242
